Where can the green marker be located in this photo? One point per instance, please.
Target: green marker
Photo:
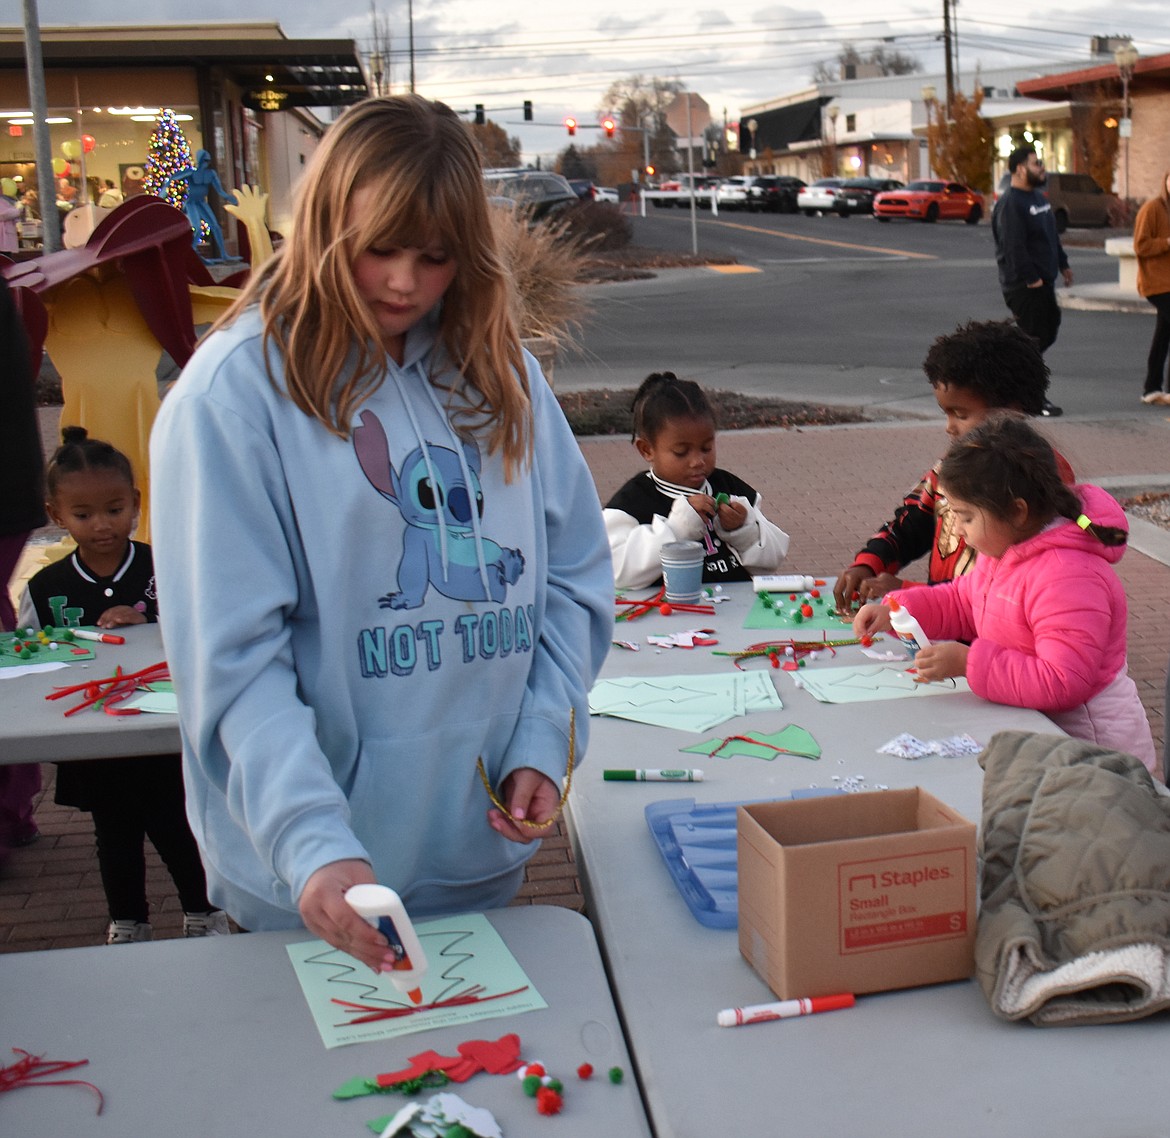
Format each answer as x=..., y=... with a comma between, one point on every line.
x=653, y=776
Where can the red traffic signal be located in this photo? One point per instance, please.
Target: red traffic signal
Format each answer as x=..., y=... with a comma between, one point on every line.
x=571, y=125
x=609, y=126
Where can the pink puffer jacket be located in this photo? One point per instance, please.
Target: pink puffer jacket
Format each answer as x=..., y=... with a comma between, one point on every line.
x=1047, y=628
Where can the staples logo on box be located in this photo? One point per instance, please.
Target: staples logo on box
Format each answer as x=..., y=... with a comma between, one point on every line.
x=893, y=902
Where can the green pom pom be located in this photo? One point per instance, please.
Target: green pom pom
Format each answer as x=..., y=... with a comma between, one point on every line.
x=531, y=1085
x=555, y=1085
x=616, y=1074
x=458, y=1130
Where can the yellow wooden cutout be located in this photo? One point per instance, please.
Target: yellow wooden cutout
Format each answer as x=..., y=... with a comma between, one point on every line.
x=107, y=356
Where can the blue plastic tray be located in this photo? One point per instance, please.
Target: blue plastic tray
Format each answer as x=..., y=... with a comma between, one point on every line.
x=697, y=843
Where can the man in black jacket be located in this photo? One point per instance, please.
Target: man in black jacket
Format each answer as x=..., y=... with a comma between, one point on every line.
x=1029, y=253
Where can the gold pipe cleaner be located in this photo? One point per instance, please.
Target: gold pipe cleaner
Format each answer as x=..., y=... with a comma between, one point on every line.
x=495, y=798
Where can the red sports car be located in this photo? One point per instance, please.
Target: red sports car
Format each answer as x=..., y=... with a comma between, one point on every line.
x=930, y=201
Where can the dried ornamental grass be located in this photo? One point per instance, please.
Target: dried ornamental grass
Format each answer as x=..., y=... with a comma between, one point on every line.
x=545, y=260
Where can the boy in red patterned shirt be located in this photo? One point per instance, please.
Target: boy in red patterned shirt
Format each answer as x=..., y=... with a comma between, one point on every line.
x=978, y=368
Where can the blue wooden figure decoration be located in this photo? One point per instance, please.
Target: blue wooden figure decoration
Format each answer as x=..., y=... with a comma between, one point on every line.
x=201, y=179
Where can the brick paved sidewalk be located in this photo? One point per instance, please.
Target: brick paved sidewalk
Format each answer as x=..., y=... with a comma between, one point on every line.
x=828, y=487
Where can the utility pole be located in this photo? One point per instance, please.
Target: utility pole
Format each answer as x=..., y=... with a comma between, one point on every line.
x=46, y=180
x=950, y=59
x=410, y=24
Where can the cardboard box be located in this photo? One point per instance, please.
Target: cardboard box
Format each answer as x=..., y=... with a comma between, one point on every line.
x=856, y=892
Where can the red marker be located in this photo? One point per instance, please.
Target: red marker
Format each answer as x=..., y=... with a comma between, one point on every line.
x=100, y=637
x=784, y=1009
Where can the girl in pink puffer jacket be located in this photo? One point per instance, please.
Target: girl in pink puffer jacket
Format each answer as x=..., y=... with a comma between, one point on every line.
x=1040, y=621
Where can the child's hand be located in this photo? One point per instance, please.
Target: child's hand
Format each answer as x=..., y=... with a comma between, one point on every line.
x=871, y=619
x=119, y=615
x=941, y=661
x=528, y=795
x=326, y=914
x=874, y=588
x=732, y=515
x=848, y=583
x=703, y=505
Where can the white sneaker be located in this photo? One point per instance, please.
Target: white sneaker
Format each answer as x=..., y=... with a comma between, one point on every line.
x=214, y=923
x=1152, y=397
x=127, y=932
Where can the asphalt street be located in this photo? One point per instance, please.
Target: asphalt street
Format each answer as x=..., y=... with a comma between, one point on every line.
x=838, y=311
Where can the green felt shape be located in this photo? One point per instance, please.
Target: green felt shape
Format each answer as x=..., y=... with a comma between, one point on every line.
x=778, y=618
x=357, y=1088
x=791, y=740
x=64, y=653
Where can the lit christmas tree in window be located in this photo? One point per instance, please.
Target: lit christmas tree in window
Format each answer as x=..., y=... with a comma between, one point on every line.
x=167, y=153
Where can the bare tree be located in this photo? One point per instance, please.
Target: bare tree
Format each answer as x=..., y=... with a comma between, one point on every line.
x=638, y=101
x=882, y=60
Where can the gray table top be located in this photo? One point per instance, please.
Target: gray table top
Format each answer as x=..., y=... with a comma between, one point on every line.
x=34, y=729
x=213, y=1037
x=920, y=1062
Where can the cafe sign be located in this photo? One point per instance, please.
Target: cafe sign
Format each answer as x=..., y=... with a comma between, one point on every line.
x=266, y=99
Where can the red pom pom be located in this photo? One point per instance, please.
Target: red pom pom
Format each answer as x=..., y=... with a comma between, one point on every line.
x=665, y=609
x=866, y=641
x=548, y=1101
x=535, y=1069
x=585, y=1071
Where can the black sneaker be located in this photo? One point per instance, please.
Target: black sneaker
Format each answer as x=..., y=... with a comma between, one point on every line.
x=1050, y=410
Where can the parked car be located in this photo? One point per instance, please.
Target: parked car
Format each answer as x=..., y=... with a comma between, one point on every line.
x=819, y=197
x=856, y=194
x=540, y=192
x=584, y=189
x=605, y=194
x=683, y=181
x=775, y=193
x=732, y=193
x=930, y=201
x=1076, y=199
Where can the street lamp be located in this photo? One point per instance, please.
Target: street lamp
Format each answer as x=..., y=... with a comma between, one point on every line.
x=1126, y=57
x=753, y=126
x=834, y=111
x=929, y=94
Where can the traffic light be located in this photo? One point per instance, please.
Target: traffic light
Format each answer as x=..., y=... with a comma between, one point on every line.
x=528, y=110
x=479, y=114
x=571, y=126
x=609, y=126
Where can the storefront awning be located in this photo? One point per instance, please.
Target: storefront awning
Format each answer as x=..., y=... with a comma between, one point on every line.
x=305, y=73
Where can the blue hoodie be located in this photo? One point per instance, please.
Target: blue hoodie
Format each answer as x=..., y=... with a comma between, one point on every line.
x=346, y=641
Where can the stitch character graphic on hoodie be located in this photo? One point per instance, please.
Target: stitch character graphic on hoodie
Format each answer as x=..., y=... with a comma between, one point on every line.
x=439, y=495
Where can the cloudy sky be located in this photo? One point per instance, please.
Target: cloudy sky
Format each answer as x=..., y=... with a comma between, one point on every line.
x=563, y=56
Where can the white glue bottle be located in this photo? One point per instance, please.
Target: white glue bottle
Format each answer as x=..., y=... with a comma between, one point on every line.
x=381, y=907
x=906, y=628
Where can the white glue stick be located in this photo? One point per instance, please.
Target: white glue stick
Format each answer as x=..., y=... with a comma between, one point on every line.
x=907, y=629
x=381, y=907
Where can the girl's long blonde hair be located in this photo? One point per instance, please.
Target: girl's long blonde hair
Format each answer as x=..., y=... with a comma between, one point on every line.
x=418, y=159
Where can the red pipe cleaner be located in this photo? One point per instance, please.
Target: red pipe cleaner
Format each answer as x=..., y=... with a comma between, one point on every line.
x=32, y=1071
x=471, y=996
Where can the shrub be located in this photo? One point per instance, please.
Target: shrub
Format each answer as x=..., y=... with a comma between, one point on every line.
x=598, y=226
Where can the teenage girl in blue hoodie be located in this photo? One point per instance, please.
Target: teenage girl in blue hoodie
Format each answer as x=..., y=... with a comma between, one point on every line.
x=381, y=552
